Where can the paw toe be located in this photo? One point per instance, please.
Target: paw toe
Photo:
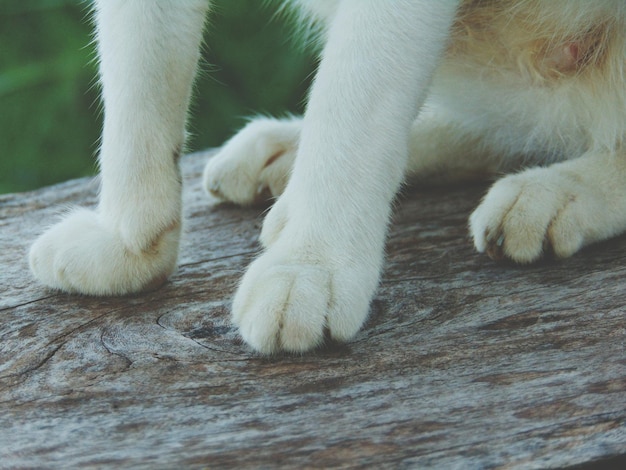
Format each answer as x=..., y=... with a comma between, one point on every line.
x=495, y=247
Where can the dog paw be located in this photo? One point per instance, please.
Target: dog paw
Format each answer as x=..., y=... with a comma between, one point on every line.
x=257, y=159
x=82, y=255
x=527, y=215
x=293, y=303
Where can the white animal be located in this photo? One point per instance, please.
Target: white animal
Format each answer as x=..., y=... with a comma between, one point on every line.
x=446, y=89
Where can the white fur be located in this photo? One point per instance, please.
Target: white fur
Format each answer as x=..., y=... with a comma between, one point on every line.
x=438, y=90
x=148, y=57
x=483, y=114
x=325, y=236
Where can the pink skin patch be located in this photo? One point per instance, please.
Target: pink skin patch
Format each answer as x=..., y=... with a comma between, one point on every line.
x=566, y=58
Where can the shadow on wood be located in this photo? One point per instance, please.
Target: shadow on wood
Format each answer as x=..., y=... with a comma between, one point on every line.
x=463, y=362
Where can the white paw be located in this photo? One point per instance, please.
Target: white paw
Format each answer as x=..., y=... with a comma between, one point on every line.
x=257, y=159
x=81, y=255
x=527, y=215
x=292, y=303
x=303, y=289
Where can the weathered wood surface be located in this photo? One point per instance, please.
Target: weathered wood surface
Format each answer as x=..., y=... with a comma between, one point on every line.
x=464, y=363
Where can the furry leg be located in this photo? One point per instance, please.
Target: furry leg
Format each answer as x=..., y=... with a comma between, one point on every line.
x=148, y=55
x=326, y=233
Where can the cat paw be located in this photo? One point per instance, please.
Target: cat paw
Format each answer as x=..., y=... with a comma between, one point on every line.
x=293, y=303
x=527, y=215
x=297, y=294
x=82, y=255
x=257, y=159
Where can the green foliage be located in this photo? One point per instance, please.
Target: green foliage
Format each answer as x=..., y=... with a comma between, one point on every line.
x=50, y=115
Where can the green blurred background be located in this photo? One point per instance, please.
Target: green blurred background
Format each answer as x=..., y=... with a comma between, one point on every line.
x=50, y=113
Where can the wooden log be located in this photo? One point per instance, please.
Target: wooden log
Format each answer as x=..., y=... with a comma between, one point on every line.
x=463, y=363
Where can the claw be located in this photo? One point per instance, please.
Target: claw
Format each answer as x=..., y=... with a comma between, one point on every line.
x=495, y=249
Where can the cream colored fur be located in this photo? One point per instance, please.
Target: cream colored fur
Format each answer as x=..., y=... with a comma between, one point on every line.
x=446, y=90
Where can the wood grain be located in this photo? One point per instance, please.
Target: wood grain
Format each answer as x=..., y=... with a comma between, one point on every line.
x=463, y=363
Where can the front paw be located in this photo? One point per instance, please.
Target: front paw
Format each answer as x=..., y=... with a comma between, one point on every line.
x=293, y=303
x=81, y=255
x=527, y=215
